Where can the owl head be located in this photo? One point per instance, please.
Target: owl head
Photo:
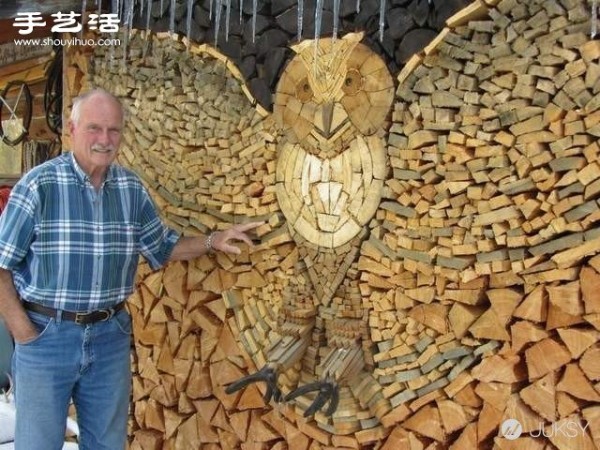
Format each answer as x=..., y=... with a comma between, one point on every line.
x=331, y=91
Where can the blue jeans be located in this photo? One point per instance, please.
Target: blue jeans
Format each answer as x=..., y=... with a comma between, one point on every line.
x=87, y=363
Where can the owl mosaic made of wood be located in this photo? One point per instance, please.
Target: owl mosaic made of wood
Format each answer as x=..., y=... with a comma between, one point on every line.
x=428, y=267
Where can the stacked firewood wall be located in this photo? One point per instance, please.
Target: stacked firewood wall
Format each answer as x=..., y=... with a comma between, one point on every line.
x=479, y=274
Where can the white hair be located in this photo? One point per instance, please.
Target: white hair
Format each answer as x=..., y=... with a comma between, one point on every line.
x=78, y=101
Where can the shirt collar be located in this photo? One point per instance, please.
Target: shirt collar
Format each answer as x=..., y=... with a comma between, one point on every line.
x=83, y=177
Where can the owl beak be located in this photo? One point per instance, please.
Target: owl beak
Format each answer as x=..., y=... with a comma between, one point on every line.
x=327, y=119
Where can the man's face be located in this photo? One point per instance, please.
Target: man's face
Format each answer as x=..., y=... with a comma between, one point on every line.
x=97, y=134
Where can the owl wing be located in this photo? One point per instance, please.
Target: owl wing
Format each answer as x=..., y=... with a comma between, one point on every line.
x=477, y=263
x=200, y=142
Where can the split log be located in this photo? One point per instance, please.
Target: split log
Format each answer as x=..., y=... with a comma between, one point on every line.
x=544, y=357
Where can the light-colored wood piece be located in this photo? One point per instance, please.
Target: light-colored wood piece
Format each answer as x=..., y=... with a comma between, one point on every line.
x=544, y=357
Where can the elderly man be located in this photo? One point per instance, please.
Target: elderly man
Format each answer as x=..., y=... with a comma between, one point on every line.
x=70, y=238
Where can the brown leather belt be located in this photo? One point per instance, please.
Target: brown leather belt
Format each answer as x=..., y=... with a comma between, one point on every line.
x=82, y=318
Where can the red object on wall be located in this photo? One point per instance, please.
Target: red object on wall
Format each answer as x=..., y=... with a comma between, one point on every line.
x=4, y=193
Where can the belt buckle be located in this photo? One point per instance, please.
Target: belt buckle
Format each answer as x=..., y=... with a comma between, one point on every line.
x=109, y=313
x=80, y=317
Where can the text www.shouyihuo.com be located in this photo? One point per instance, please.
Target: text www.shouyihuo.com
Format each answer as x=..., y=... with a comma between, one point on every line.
x=69, y=41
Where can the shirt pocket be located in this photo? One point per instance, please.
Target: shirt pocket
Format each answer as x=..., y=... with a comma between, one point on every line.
x=121, y=253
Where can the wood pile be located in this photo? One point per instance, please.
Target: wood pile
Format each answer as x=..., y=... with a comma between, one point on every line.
x=476, y=278
x=261, y=54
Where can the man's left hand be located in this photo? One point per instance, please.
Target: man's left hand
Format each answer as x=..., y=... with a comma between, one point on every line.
x=224, y=240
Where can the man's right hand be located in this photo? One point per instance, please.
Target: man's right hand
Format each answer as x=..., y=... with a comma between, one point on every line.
x=12, y=311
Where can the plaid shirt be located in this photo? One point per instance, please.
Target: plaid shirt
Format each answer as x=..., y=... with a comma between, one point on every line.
x=74, y=248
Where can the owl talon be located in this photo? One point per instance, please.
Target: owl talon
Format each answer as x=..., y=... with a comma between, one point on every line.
x=328, y=391
x=266, y=374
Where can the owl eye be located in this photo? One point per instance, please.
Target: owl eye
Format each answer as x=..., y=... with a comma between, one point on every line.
x=304, y=91
x=353, y=82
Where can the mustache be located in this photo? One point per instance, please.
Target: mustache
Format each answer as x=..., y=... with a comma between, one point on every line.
x=103, y=148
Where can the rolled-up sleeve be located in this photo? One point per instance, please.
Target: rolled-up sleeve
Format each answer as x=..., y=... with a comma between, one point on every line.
x=157, y=240
x=17, y=226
